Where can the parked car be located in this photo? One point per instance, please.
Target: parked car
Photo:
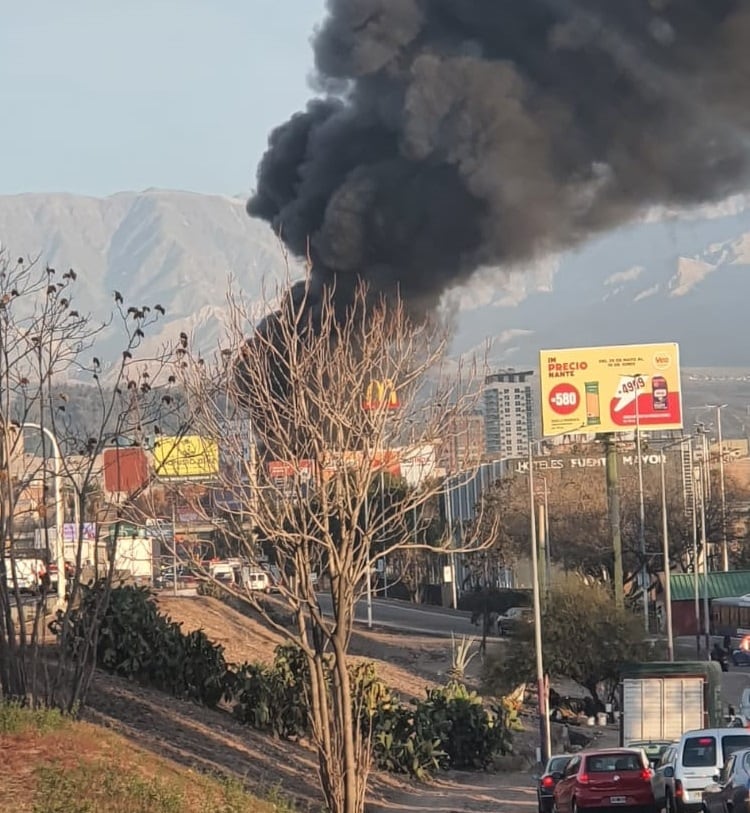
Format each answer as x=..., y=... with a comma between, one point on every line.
x=610, y=779
x=508, y=623
x=688, y=766
x=552, y=774
x=730, y=788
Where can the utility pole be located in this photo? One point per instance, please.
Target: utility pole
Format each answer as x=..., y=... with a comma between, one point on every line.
x=452, y=555
x=722, y=486
x=641, y=505
x=665, y=553
x=613, y=507
x=542, y=534
x=541, y=683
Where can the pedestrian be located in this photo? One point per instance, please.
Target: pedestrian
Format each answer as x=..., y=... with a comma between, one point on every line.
x=718, y=655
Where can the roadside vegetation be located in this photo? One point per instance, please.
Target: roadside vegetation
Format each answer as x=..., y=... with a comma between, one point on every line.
x=586, y=639
x=54, y=764
x=451, y=727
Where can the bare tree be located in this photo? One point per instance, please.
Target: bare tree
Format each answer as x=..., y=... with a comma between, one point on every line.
x=334, y=398
x=47, y=351
x=578, y=520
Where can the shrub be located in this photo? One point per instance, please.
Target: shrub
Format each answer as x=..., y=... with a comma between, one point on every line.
x=139, y=643
x=470, y=735
x=275, y=698
x=450, y=728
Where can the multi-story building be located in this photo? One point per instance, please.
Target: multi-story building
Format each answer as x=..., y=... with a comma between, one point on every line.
x=508, y=413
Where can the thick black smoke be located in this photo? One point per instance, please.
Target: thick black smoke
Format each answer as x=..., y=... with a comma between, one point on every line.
x=460, y=133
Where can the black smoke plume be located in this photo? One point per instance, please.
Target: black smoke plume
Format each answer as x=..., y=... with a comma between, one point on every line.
x=454, y=134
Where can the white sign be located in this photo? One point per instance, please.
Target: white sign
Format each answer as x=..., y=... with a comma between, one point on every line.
x=540, y=464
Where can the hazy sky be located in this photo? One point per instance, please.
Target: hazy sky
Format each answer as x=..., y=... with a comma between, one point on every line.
x=99, y=96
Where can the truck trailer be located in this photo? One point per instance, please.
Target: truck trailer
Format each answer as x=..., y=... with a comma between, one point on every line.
x=661, y=700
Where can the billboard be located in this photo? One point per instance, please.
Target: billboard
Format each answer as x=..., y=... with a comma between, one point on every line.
x=611, y=389
x=188, y=456
x=125, y=470
x=71, y=530
x=418, y=463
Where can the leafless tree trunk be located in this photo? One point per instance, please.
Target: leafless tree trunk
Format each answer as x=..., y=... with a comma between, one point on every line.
x=333, y=399
x=47, y=347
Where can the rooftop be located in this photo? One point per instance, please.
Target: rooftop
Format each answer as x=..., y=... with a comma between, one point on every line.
x=720, y=585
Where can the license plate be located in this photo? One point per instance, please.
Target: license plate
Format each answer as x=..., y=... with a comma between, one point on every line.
x=617, y=800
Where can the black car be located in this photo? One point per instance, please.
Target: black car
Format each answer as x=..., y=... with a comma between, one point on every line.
x=552, y=774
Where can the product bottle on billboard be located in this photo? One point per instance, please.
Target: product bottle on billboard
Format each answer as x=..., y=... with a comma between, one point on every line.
x=659, y=393
x=593, y=408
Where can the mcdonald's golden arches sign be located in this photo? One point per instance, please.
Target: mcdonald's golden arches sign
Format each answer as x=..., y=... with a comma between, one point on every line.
x=381, y=394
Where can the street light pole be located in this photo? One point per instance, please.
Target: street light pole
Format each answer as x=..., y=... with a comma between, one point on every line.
x=722, y=486
x=544, y=725
x=665, y=551
x=369, y=569
x=543, y=539
x=641, y=504
x=452, y=555
x=702, y=494
x=59, y=512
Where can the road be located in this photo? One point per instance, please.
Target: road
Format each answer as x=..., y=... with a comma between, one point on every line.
x=406, y=617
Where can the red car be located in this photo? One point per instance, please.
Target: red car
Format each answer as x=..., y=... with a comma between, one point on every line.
x=615, y=779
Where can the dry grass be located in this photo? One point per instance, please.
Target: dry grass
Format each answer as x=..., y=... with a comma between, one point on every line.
x=51, y=764
x=410, y=664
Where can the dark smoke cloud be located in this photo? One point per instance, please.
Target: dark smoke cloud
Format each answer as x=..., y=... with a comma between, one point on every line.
x=461, y=133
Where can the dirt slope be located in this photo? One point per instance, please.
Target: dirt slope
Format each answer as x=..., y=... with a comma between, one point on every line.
x=410, y=664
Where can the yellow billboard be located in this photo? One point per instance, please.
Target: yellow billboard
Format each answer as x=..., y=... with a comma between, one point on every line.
x=188, y=456
x=611, y=389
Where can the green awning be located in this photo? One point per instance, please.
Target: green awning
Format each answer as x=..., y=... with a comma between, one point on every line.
x=720, y=585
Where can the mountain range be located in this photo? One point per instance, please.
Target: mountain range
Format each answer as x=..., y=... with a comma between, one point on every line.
x=672, y=276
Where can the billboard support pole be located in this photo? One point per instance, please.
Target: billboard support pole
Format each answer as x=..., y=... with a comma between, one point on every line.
x=613, y=506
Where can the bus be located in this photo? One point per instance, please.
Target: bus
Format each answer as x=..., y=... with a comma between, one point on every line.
x=731, y=616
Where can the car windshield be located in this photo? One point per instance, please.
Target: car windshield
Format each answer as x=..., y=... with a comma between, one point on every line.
x=557, y=764
x=607, y=763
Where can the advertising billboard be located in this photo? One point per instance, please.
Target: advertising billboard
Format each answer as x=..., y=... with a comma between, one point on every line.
x=71, y=531
x=611, y=389
x=188, y=456
x=125, y=470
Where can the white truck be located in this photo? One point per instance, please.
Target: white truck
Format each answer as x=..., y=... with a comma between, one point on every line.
x=138, y=557
x=29, y=573
x=662, y=700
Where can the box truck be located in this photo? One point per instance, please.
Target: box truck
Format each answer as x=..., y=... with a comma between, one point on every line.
x=661, y=700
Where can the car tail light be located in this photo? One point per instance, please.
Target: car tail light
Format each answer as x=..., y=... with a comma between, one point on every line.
x=547, y=781
x=583, y=779
x=677, y=789
x=646, y=774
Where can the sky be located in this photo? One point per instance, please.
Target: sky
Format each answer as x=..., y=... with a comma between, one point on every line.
x=99, y=96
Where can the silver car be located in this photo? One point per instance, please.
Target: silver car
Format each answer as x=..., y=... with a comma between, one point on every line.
x=730, y=788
